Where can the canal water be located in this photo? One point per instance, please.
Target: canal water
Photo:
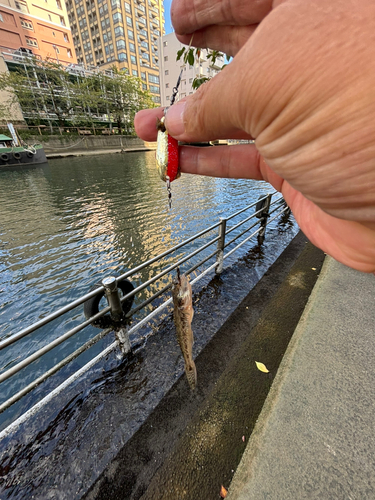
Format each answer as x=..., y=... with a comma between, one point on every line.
x=66, y=225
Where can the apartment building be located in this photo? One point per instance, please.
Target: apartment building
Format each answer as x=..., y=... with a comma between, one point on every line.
x=170, y=69
x=41, y=26
x=119, y=33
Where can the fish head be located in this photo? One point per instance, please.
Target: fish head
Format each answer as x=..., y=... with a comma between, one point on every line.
x=182, y=290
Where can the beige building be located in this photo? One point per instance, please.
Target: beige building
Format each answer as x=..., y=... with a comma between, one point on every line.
x=170, y=69
x=38, y=26
x=120, y=33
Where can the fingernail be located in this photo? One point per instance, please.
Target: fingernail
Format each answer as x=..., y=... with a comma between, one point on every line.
x=174, y=119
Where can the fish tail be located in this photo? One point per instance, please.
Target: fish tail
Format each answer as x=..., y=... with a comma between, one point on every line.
x=191, y=374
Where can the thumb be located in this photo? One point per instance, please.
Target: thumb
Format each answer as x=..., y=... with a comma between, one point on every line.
x=215, y=111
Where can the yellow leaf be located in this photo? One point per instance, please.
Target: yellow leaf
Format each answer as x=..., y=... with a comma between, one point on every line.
x=223, y=492
x=261, y=367
x=313, y=268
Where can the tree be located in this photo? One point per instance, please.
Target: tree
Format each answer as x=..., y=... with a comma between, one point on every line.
x=190, y=55
x=47, y=91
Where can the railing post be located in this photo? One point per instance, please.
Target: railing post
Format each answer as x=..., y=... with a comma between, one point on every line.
x=263, y=219
x=113, y=297
x=220, y=246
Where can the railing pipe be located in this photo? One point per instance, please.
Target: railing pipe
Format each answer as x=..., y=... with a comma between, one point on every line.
x=168, y=270
x=167, y=252
x=241, y=234
x=48, y=319
x=16, y=397
x=37, y=354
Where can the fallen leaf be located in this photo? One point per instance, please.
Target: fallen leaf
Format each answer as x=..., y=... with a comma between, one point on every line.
x=261, y=367
x=313, y=268
x=223, y=492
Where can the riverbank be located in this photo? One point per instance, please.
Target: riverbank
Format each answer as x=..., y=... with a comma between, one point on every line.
x=314, y=437
x=66, y=146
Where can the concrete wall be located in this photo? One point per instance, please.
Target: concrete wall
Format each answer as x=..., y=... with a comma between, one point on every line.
x=66, y=144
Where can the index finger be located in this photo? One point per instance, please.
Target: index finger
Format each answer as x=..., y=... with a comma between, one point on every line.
x=191, y=15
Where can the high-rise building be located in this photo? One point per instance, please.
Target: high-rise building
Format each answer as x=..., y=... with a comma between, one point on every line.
x=39, y=27
x=119, y=33
x=170, y=69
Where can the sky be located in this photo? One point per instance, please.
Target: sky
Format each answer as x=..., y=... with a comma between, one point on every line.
x=167, y=9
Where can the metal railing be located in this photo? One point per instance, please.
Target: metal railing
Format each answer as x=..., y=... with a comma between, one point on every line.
x=266, y=211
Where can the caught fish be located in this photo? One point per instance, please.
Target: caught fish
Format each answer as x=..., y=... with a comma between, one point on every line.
x=183, y=315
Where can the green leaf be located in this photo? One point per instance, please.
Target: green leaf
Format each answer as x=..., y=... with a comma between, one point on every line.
x=179, y=53
x=191, y=57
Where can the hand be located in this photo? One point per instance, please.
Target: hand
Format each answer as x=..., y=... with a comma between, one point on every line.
x=303, y=85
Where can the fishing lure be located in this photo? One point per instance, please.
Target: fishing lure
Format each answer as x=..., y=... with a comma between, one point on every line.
x=167, y=158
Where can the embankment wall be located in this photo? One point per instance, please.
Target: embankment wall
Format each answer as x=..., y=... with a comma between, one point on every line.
x=66, y=144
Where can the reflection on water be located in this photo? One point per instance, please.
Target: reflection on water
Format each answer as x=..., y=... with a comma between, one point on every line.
x=66, y=225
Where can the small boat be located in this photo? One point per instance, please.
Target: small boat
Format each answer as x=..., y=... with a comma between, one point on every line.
x=15, y=152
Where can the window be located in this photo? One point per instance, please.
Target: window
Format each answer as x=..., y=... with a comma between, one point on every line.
x=122, y=56
x=128, y=8
x=58, y=3
x=26, y=24
x=129, y=21
x=119, y=31
x=154, y=89
x=1, y=18
x=53, y=33
x=115, y=4
x=167, y=97
x=22, y=6
x=166, y=72
x=153, y=78
x=144, y=86
x=135, y=72
x=62, y=21
x=117, y=17
x=50, y=18
x=146, y=56
x=133, y=59
x=32, y=42
x=190, y=80
x=167, y=85
x=165, y=44
x=156, y=98
x=69, y=52
x=165, y=58
x=131, y=34
x=66, y=39
x=120, y=44
x=143, y=75
x=131, y=47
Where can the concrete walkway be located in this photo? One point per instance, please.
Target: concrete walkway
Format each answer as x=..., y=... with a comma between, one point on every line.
x=315, y=436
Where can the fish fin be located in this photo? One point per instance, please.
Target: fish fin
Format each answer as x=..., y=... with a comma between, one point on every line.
x=191, y=374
